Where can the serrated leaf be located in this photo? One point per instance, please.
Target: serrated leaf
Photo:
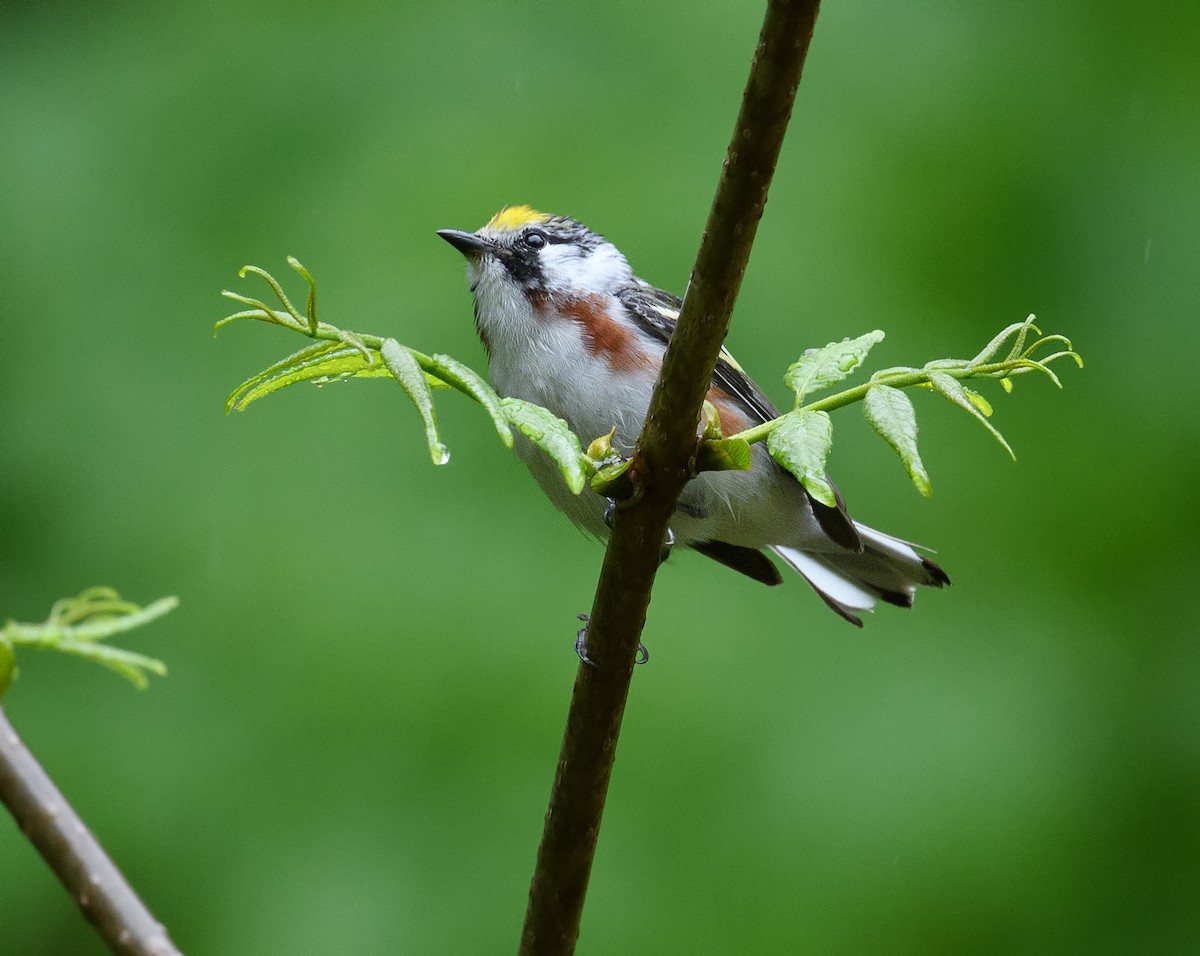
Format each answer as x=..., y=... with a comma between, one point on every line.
x=321, y=362
x=891, y=414
x=801, y=443
x=552, y=435
x=723, y=454
x=819, y=368
x=408, y=373
x=951, y=388
x=469, y=382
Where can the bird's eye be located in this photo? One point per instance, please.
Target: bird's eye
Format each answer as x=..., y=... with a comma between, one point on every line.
x=535, y=239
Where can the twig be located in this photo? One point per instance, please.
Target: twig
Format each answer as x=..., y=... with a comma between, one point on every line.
x=51, y=824
x=662, y=465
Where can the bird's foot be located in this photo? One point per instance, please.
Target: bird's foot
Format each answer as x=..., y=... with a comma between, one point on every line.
x=643, y=655
x=668, y=544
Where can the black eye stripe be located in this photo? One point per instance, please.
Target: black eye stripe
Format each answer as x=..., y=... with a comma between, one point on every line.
x=543, y=238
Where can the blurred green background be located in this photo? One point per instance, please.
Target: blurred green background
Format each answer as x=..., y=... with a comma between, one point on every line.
x=372, y=660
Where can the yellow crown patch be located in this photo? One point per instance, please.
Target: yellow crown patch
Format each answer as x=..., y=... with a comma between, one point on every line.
x=514, y=217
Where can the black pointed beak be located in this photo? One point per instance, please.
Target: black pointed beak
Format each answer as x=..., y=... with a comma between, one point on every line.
x=468, y=243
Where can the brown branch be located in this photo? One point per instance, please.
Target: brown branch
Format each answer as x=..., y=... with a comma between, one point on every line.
x=51, y=825
x=662, y=465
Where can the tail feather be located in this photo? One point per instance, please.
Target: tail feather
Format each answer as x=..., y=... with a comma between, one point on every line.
x=834, y=588
x=887, y=569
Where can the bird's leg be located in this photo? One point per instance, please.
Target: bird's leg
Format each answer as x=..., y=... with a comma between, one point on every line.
x=643, y=654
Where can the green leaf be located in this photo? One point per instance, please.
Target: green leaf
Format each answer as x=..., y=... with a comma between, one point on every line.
x=710, y=421
x=260, y=313
x=8, y=666
x=1019, y=329
x=801, y=443
x=723, y=454
x=408, y=373
x=601, y=449
x=310, y=307
x=552, y=435
x=955, y=391
x=469, y=382
x=128, y=664
x=355, y=341
x=323, y=362
x=818, y=368
x=1018, y=347
x=79, y=625
x=277, y=289
x=891, y=414
x=981, y=403
x=614, y=481
x=1029, y=365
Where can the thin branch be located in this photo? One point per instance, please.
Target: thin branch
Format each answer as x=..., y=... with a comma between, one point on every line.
x=51, y=824
x=662, y=465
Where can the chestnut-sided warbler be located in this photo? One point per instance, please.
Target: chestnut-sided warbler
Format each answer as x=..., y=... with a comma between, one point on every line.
x=567, y=325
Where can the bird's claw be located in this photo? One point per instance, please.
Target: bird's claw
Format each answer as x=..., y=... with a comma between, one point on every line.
x=581, y=641
x=668, y=544
x=610, y=509
x=642, y=656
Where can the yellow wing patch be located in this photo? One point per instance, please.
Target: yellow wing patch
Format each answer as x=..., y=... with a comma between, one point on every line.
x=731, y=361
x=514, y=217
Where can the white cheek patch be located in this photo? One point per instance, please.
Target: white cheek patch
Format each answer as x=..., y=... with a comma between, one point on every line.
x=597, y=271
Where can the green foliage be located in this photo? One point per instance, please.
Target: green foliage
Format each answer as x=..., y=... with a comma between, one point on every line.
x=970, y=402
x=320, y=363
x=801, y=444
x=818, y=368
x=799, y=440
x=723, y=454
x=78, y=625
x=406, y=370
x=894, y=419
x=342, y=354
x=551, y=434
x=8, y=666
x=716, y=452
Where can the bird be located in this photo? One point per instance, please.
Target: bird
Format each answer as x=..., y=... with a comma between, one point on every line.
x=568, y=325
